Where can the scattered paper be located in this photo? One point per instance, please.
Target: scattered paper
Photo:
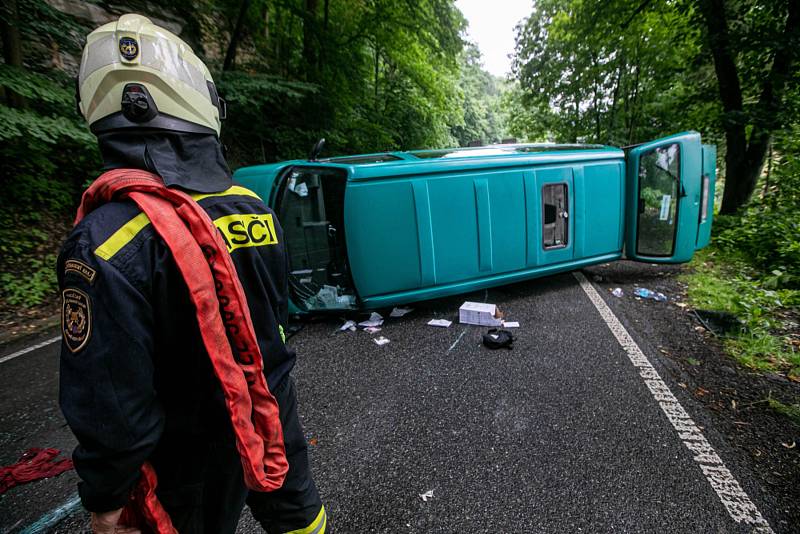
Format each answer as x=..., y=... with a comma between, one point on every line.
x=510, y=324
x=665, y=204
x=480, y=313
x=440, y=322
x=301, y=189
x=349, y=325
x=399, y=312
x=372, y=329
x=617, y=292
x=375, y=319
x=427, y=495
x=380, y=340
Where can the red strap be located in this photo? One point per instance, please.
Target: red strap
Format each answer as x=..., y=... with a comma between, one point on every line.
x=222, y=314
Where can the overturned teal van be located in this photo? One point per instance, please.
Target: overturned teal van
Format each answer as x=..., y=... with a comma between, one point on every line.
x=378, y=230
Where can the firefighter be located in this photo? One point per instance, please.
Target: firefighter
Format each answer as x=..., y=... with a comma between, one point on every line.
x=137, y=384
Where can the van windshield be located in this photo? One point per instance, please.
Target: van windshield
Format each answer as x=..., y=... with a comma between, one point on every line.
x=311, y=211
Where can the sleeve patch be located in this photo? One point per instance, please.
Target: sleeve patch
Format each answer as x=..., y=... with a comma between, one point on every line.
x=75, y=266
x=76, y=318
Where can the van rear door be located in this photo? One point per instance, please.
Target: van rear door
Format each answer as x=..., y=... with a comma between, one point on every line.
x=665, y=187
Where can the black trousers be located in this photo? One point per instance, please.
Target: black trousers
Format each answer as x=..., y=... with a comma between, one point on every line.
x=202, y=487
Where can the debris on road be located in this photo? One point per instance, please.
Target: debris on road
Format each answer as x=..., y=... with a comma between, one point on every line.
x=480, y=313
x=427, y=495
x=510, y=324
x=399, y=312
x=372, y=329
x=648, y=294
x=617, y=292
x=498, y=339
x=380, y=340
x=349, y=325
x=34, y=464
x=375, y=319
x=444, y=323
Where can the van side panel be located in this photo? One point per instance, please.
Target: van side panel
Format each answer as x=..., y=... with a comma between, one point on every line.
x=455, y=227
x=373, y=212
x=509, y=232
x=600, y=199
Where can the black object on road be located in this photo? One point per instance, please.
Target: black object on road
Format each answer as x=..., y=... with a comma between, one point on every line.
x=498, y=339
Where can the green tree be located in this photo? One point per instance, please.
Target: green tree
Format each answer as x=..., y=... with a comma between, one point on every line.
x=754, y=45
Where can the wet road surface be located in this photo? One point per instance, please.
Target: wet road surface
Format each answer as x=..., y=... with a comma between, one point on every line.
x=560, y=434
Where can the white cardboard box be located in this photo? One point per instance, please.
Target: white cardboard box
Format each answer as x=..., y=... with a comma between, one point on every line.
x=479, y=313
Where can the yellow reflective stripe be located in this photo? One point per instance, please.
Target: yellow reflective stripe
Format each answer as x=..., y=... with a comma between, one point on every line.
x=316, y=527
x=235, y=190
x=122, y=237
x=283, y=334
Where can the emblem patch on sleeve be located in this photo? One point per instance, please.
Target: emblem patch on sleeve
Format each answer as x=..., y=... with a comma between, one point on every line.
x=76, y=318
x=81, y=268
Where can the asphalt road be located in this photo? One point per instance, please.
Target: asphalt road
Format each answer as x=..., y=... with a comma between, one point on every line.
x=560, y=434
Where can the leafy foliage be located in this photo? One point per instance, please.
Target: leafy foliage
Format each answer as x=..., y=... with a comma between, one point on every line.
x=767, y=232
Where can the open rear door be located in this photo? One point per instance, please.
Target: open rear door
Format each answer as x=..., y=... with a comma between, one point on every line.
x=664, y=180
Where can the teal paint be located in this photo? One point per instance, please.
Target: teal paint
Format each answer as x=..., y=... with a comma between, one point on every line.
x=484, y=216
x=710, y=171
x=688, y=193
x=533, y=221
x=423, y=228
x=427, y=259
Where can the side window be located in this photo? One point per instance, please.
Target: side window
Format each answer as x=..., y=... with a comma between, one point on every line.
x=659, y=187
x=555, y=216
x=704, y=205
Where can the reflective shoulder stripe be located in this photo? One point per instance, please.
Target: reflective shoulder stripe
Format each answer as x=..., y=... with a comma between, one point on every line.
x=283, y=334
x=234, y=190
x=316, y=527
x=122, y=237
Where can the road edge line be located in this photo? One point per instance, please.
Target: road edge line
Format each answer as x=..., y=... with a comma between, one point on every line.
x=52, y=517
x=730, y=493
x=13, y=355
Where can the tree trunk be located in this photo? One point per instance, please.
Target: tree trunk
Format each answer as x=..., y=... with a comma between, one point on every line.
x=12, y=46
x=309, y=46
x=744, y=159
x=230, y=55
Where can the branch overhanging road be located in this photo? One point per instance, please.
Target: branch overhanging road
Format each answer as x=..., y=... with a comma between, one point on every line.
x=572, y=430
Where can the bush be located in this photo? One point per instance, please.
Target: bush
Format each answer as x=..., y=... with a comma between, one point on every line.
x=767, y=232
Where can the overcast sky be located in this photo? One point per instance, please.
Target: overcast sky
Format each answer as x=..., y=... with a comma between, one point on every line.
x=491, y=27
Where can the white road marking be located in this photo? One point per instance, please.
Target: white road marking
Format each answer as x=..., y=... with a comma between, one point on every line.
x=736, y=502
x=29, y=349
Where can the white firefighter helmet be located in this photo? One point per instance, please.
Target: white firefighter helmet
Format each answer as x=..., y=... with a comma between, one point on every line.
x=135, y=74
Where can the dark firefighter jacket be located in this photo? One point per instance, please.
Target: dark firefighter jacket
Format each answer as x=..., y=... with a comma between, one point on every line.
x=136, y=381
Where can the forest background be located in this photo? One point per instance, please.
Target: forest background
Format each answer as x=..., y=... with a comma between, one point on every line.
x=377, y=75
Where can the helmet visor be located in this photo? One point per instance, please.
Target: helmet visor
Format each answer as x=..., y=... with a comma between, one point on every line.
x=158, y=54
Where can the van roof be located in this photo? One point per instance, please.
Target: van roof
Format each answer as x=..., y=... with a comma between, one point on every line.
x=469, y=152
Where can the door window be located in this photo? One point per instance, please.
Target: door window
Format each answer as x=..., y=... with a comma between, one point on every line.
x=659, y=188
x=555, y=214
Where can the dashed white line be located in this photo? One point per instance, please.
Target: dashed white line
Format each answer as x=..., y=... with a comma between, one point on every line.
x=29, y=349
x=730, y=493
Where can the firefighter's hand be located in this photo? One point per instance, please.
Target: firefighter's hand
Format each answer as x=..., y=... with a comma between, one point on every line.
x=106, y=523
